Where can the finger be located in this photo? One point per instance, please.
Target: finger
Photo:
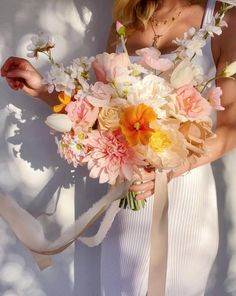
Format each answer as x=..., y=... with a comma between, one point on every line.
x=15, y=84
x=143, y=187
x=145, y=176
x=19, y=74
x=144, y=195
x=12, y=63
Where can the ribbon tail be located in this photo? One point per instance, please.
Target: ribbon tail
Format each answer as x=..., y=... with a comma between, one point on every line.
x=159, y=238
x=104, y=227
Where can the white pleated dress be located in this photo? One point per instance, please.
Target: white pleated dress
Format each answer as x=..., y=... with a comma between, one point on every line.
x=192, y=230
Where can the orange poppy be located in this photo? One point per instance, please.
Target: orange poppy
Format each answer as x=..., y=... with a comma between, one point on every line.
x=135, y=124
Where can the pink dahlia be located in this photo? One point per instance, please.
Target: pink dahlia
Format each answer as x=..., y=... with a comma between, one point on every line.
x=110, y=157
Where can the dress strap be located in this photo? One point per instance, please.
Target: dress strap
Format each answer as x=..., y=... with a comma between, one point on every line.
x=209, y=12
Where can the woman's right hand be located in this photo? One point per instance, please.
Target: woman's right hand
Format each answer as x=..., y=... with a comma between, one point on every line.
x=20, y=74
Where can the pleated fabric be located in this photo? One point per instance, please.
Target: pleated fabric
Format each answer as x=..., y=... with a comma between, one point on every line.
x=192, y=230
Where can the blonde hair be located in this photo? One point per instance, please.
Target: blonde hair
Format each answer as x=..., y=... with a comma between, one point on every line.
x=134, y=13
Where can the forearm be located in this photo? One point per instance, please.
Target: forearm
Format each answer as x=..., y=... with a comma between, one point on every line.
x=224, y=141
x=51, y=99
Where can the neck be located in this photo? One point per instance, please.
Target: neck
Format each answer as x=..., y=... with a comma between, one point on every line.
x=168, y=5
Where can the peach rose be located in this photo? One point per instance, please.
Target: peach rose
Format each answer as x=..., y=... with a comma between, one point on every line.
x=196, y=135
x=191, y=103
x=109, y=118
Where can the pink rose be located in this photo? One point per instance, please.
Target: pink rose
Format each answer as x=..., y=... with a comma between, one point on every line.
x=151, y=59
x=214, y=98
x=82, y=114
x=109, y=66
x=100, y=94
x=191, y=103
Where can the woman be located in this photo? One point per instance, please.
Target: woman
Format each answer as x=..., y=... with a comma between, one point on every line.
x=193, y=225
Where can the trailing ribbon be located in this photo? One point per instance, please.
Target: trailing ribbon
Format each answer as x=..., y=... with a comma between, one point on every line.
x=159, y=238
x=31, y=233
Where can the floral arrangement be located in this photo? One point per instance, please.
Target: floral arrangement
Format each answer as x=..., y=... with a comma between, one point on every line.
x=152, y=113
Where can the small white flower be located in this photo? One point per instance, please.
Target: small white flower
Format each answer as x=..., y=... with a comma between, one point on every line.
x=59, y=80
x=194, y=46
x=40, y=43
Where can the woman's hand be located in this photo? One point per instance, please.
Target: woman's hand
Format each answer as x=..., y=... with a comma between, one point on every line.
x=146, y=189
x=20, y=74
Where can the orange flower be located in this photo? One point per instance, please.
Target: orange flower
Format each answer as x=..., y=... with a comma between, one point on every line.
x=64, y=99
x=135, y=124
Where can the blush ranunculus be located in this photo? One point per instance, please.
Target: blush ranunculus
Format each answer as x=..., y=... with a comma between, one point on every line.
x=191, y=104
x=82, y=114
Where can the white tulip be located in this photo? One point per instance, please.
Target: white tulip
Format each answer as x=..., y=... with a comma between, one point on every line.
x=59, y=122
x=183, y=74
x=230, y=70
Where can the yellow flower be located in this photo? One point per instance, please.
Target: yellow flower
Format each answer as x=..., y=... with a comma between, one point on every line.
x=135, y=124
x=159, y=141
x=64, y=99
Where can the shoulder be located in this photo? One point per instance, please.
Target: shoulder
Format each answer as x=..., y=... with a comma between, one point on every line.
x=227, y=40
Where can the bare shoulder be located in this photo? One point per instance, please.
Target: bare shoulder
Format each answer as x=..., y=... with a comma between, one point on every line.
x=227, y=40
x=112, y=39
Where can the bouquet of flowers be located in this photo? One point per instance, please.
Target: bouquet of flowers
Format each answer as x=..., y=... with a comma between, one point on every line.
x=152, y=113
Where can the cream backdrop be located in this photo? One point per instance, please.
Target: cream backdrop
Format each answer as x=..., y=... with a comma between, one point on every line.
x=33, y=174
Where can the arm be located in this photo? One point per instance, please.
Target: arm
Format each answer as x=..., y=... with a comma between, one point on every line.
x=20, y=74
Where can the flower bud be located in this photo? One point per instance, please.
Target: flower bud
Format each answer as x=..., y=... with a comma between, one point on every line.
x=59, y=122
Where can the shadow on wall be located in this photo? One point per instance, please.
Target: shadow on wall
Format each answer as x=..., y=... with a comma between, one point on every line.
x=26, y=145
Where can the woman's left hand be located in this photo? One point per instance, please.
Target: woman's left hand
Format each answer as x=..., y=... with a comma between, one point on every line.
x=146, y=189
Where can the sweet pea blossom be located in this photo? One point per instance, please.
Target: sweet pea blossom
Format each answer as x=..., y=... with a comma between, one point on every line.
x=100, y=94
x=150, y=59
x=214, y=98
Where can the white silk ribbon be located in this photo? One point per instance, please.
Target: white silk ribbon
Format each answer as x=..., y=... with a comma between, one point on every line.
x=31, y=233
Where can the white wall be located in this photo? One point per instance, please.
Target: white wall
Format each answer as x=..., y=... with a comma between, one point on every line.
x=32, y=172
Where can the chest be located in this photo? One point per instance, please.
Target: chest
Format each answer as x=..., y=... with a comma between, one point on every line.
x=192, y=16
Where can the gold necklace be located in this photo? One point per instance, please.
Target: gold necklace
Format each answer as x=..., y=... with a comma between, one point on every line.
x=154, y=22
